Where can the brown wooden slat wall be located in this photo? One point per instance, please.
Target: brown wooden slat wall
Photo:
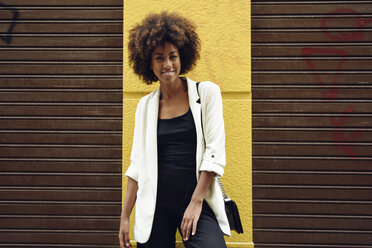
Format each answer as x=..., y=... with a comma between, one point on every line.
x=60, y=122
x=312, y=123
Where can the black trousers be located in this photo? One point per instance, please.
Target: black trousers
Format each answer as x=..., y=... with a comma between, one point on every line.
x=175, y=189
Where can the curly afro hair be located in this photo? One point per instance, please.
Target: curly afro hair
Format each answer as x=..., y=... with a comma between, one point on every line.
x=156, y=29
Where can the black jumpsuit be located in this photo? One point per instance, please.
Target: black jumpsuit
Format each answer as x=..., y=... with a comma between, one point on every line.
x=176, y=184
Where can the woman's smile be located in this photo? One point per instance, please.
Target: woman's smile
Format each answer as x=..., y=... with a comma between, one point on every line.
x=169, y=73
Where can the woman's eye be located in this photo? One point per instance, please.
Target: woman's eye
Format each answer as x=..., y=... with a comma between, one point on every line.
x=158, y=58
x=173, y=57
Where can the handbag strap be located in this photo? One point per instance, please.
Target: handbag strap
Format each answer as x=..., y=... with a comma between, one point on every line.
x=225, y=196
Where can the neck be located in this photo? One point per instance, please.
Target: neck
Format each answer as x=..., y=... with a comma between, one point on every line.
x=170, y=90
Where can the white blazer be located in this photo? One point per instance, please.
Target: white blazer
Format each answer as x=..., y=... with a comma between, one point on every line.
x=144, y=161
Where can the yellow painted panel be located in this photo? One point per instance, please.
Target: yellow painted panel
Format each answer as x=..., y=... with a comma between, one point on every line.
x=237, y=179
x=224, y=29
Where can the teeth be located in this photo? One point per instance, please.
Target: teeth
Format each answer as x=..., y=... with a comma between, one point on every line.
x=169, y=73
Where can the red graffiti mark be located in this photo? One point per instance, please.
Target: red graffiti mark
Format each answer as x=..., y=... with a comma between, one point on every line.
x=338, y=136
x=311, y=51
x=357, y=35
x=341, y=138
x=338, y=122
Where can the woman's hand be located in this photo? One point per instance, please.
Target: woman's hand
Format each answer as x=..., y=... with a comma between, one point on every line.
x=193, y=210
x=190, y=219
x=130, y=199
x=124, y=233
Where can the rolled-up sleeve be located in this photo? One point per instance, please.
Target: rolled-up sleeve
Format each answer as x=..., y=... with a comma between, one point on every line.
x=214, y=157
x=135, y=157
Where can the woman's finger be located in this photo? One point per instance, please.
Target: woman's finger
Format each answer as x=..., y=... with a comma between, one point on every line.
x=188, y=229
x=127, y=240
x=194, y=225
x=121, y=240
x=184, y=227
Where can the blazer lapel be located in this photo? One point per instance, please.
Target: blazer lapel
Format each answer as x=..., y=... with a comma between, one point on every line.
x=151, y=140
x=195, y=107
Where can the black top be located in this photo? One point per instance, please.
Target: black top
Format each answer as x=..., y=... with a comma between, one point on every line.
x=177, y=142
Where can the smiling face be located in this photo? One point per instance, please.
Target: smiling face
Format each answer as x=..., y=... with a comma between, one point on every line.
x=166, y=62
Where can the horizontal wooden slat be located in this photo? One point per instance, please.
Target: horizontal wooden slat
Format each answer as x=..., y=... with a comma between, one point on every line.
x=77, y=3
x=87, y=223
x=60, y=96
x=60, y=138
x=334, y=165
x=324, y=208
x=60, y=124
x=312, y=178
x=311, y=107
x=60, y=152
x=61, y=55
x=60, y=238
x=64, y=245
x=309, y=8
x=312, y=135
x=60, y=110
x=312, y=121
x=341, y=52
x=64, y=28
x=61, y=69
x=296, y=245
x=61, y=195
x=311, y=150
x=298, y=193
x=306, y=36
x=311, y=78
x=63, y=14
x=312, y=64
x=312, y=93
x=313, y=222
x=60, y=41
x=59, y=180
x=355, y=21
x=312, y=237
x=60, y=166
x=59, y=209
x=62, y=82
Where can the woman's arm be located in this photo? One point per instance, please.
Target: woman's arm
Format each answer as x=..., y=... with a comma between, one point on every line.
x=213, y=161
x=192, y=212
x=213, y=158
x=130, y=199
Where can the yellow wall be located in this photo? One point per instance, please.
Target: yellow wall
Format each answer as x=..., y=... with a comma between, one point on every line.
x=224, y=28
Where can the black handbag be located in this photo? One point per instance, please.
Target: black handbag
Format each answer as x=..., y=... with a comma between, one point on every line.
x=231, y=208
x=232, y=211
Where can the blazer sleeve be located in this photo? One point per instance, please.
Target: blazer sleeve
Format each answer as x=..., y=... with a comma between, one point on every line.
x=135, y=156
x=214, y=157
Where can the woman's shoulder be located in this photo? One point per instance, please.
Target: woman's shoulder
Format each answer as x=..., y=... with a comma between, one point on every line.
x=208, y=87
x=149, y=96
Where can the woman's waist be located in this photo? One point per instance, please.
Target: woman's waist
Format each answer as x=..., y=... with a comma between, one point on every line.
x=182, y=167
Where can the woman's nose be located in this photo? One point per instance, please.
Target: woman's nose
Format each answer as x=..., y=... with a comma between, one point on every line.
x=167, y=63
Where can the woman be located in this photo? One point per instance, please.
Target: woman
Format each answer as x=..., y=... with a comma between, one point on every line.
x=178, y=144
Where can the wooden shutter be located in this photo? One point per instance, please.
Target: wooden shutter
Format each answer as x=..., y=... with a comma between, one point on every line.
x=60, y=122
x=312, y=118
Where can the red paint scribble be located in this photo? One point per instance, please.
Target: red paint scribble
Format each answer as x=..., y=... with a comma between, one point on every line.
x=345, y=36
x=338, y=136
x=341, y=138
x=313, y=51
